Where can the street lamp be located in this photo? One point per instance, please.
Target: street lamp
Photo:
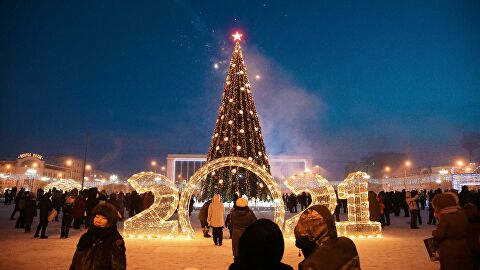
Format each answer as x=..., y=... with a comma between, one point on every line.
x=460, y=163
x=154, y=165
x=387, y=169
x=69, y=164
x=408, y=164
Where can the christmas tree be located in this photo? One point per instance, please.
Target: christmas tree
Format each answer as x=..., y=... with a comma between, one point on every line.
x=237, y=133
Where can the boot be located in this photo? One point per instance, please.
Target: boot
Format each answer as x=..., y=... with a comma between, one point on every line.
x=205, y=233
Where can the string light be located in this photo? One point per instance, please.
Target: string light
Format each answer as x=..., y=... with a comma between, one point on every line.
x=152, y=222
x=319, y=188
x=201, y=174
x=355, y=189
x=64, y=184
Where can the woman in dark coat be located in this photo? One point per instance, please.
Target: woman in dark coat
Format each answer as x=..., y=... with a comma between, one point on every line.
x=102, y=246
x=30, y=211
x=78, y=211
x=261, y=247
x=316, y=236
x=451, y=231
x=241, y=217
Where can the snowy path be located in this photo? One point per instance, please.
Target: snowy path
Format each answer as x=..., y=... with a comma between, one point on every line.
x=400, y=248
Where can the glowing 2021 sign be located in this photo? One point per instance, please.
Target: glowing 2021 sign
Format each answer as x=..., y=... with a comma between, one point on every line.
x=152, y=222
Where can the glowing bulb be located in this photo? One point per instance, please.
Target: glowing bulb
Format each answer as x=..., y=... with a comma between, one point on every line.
x=256, y=129
x=242, y=88
x=242, y=131
x=220, y=181
x=250, y=158
x=259, y=153
x=215, y=66
x=225, y=139
x=213, y=173
x=230, y=100
x=257, y=77
x=230, y=122
x=218, y=147
x=240, y=112
x=216, y=135
x=234, y=170
x=239, y=147
x=251, y=112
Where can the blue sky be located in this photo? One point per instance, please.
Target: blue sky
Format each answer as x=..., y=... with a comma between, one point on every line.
x=339, y=79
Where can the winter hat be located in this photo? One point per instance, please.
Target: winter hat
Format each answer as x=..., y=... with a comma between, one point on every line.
x=316, y=225
x=261, y=245
x=108, y=211
x=445, y=200
x=241, y=202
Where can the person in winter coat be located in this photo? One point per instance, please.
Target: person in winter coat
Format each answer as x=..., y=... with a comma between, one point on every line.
x=473, y=233
x=261, y=247
x=30, y=211
x=67, y=217
x=412, y=202
x=78, y=211
x=241, y=217
x=373, y=207
x=203, y=216
x=45, y=206
x=216, y=212
x=102, y=246
x=316, y=236
x=20, y=224
x=451, y=231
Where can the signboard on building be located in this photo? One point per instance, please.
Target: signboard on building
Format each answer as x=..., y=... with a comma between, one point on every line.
x=27, y=155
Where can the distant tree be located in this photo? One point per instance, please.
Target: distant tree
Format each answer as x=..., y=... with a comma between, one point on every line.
x=471, y=142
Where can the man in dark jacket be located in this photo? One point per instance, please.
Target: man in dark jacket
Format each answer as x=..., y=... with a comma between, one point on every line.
x=30, y=211
x=202, y=216
x=45, y=206
x=261, y=247
x=102, y=246
x=316, y=236
x=241, y=217
x=67, y=217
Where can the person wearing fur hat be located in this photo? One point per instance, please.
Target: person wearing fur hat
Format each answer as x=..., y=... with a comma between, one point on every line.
x=451, y=232
x=261, y=247
x=102, y=246
x=241, y=217
x=316, y=235
x=216, y=212
x=67, y=217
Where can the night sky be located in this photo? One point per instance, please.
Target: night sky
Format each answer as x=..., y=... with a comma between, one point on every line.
x=338, y=79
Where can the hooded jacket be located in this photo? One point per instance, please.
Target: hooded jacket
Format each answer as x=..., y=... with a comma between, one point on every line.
x=316, y=235
x=216, y=212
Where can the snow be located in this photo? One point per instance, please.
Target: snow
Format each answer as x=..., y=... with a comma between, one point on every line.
x=400, y=248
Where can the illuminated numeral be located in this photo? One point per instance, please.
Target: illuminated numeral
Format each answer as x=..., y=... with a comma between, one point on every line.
x=318, y=187
x=355, y=189
x=200, y=175
x=152, y=222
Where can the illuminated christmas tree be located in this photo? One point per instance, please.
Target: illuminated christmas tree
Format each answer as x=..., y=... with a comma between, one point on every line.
x=237, y=133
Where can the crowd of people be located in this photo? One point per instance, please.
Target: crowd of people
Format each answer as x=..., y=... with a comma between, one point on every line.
x=455, y=215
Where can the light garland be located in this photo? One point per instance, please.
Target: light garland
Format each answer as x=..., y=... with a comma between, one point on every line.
x=355, y=189
x=152, y=222
x=319, y=188
x=201, y=174
x=63, y=184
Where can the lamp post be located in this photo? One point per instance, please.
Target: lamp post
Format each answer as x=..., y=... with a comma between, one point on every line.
x=154, y=165
x=408, y=163
x=69, y=165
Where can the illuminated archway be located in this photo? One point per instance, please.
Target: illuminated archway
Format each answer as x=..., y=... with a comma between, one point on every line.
x=201, y=174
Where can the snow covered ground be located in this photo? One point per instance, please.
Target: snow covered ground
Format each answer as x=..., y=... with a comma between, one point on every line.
x=400, y=248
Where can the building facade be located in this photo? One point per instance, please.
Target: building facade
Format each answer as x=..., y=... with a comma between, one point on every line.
x=180, y=167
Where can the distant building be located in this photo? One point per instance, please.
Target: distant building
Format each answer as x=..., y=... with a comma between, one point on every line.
x=180, y=167
x=381, y=164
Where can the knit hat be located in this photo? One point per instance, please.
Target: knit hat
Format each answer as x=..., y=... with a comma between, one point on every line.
x=241, y=202
x=108, y=211
x=445, y=200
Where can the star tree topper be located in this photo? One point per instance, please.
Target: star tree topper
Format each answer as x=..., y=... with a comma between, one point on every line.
x=237, y=36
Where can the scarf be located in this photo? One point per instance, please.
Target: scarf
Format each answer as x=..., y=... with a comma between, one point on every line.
x=95, y=235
